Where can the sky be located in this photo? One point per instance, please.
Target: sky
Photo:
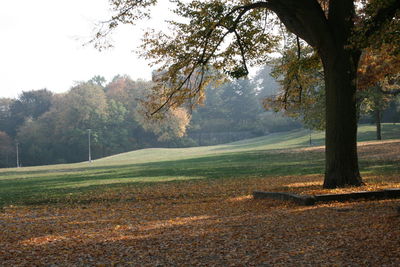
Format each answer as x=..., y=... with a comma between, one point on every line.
x=42, y=45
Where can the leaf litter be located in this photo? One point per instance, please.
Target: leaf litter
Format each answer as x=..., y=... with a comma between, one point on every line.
x=206, y=223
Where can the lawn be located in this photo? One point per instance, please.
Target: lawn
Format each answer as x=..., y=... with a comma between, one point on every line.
x=272, y=155
x=193, y=207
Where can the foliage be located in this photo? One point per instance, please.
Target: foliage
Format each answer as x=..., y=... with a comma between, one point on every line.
x=302, y=91
x=114, y=131
x=235, y=109
x=374, y=99
x=7, y=150
x=266, y=85
x=30, y=104
x=231, y=35
x=392, y=113
x=378, y=66
x=233, y=106
x=378, y=81
x=114, y=112
x=201, y=224
x=379, y=77
x=37, y=144
x=172, y=125
x=5, y=115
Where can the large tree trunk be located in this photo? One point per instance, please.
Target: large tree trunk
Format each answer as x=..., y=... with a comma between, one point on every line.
x=331, y=35
x=341, y=168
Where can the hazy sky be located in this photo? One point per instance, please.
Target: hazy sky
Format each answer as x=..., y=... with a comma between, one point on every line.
x=41, y=45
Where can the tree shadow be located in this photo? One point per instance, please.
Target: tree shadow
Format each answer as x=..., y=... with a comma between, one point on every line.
x=37, y=188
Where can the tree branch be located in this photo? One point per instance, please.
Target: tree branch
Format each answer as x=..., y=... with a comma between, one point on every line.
x=242, y=51
x=304, y=18
x=203, y=60
x=393, y=92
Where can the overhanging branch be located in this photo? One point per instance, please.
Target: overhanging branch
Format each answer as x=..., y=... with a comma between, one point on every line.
x=208, y=52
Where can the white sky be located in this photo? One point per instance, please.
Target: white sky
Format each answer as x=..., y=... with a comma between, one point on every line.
x=41, y=45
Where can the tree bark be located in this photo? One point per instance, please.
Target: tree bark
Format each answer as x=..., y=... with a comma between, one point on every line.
x=340, y=66
x=378, y=124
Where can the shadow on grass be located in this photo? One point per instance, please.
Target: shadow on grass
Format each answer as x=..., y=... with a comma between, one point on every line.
x=58, y=185
x=276, y=141
x=389, y=131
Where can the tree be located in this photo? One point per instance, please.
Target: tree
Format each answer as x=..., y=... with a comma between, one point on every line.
x=83, y=107
x=127, y=91
x=242, y=104
x=5, y=115
x=302, y=92
x=114, y=131
x=130, y=93
x=234, y=111
x=30, y=104
x=379, y=76
x=230, y=35
x=7, y=150
x=375, y=102
x=98, y=80
x=38, y=143
x=233, y=106
x=266, y=84
x=392, y=113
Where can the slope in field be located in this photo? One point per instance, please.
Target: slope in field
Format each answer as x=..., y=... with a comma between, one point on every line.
x=284, y=140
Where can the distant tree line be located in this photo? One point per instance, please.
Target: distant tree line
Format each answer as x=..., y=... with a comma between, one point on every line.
x=53, y=128
x=234, y=111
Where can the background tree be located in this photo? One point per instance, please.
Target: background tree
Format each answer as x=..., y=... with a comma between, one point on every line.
x=60, y=135
x=172, y=126
x=379, y=76
x=114, y=137
x=5, y=115
x=83, y=107
x=7, y=150
x=266, y=84
x=234, y=111
x=30, y=104
x=38, y=145
x=98, y=80
x=392, y=113
x=374, y=102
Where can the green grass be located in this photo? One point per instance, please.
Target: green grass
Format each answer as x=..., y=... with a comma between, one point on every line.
x=257, y=157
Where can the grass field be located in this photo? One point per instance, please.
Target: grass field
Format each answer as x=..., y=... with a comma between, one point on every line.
x=271, y=155
x=193, y=207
